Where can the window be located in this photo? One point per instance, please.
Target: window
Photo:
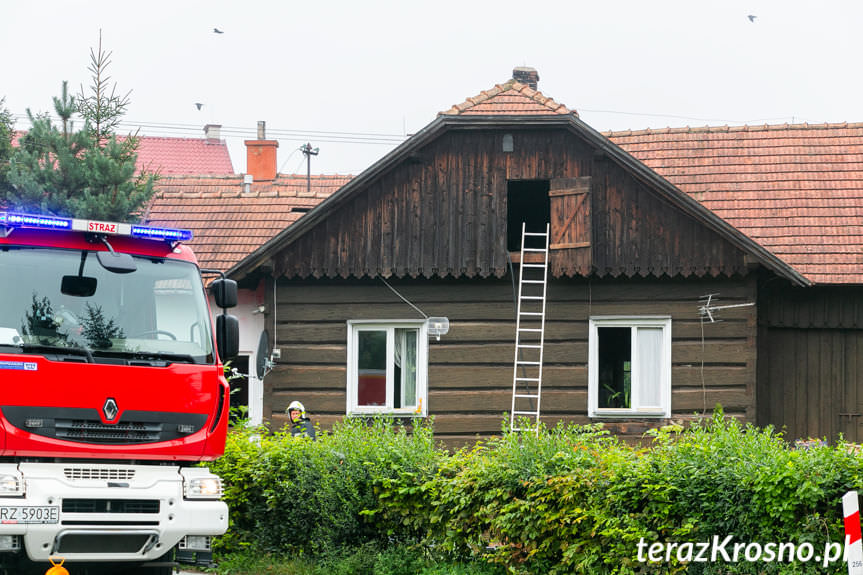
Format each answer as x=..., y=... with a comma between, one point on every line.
x=629, y=371
x=387, y=367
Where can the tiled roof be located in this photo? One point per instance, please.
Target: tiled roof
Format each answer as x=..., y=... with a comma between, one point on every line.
x=795, y=189
x=178, y=156
x=511, y=98
x=228, y=223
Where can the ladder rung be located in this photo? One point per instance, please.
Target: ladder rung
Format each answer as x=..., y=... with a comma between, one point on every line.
x=530, y=313
x=528, y=363
x=533, y=413
x=527, y=379
x=534, y=250
x=526, y=396
x=524, y=429
x=535, y=234
x=533, y=265
x=526, y=346
x=533, y=297
x=532, y=282
x=533, y=329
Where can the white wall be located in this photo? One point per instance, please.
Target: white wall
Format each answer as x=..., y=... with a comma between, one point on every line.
x=252, y=323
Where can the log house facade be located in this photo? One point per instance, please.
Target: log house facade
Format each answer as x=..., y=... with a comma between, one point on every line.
x=428, y=230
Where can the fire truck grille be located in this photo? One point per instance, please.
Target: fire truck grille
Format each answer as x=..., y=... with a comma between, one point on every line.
x=85, y=426
x=110, y=506
x=97, y=432
x=102, y=473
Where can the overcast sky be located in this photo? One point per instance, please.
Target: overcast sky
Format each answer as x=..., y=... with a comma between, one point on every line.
x=372, y=71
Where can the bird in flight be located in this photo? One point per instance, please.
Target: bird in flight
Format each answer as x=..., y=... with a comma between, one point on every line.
x=199, y=105
x=217, y=31
x=752, y=17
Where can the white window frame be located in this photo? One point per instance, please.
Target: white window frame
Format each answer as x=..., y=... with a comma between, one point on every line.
x=664, y=409
x=354, y=328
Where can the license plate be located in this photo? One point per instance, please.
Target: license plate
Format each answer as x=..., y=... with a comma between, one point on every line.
x=29, y=514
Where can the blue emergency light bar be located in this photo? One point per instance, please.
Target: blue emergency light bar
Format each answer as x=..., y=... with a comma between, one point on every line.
x=12, y=220
x=39, y=222
x=169, y=234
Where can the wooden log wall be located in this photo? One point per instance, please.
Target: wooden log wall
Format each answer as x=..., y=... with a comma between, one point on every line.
x=810, y=380
x=443, y=213
x=470, y=369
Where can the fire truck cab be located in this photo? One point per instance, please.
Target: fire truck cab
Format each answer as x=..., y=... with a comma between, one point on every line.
x=112, y=391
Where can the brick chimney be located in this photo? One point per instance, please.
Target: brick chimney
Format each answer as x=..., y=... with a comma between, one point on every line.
x=261, y=156
x=526, y=75
x=213, y=132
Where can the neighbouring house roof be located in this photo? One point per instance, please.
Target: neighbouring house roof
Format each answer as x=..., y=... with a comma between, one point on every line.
x=178, y=156
x=795, y=189
x=229, y=223
x=509, y=98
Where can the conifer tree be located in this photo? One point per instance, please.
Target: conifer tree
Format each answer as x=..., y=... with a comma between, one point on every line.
x=7, y=133
x=86, y=173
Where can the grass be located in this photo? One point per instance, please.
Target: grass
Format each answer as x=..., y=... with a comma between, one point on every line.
x=366, y=560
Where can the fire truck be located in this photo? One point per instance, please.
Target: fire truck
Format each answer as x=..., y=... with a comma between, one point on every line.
x=112, y=393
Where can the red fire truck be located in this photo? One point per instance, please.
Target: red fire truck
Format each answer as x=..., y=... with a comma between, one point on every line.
x=111, y=392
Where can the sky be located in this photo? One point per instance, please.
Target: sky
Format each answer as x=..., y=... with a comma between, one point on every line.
x=353, y=79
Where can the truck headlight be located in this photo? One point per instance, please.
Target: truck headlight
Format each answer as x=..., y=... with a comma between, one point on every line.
x=11, y=485
x=207, y=487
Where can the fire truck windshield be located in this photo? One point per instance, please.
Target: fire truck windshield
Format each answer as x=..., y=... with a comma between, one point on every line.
x=64, y=303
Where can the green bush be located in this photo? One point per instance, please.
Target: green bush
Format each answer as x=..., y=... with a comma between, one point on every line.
x=301, y=496
x=575, y=500
x=374, y=497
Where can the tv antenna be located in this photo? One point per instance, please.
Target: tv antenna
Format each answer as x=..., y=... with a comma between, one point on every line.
x=708, y=307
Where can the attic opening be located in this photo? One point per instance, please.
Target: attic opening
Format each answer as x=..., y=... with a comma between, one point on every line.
x=526, y=201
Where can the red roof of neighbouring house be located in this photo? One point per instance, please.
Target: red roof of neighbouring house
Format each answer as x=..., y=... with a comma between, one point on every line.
x=178, y=156
x=795, y=189
x=509, y=98
x=229, y=223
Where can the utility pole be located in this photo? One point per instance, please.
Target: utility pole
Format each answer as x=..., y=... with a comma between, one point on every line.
x=308, y=151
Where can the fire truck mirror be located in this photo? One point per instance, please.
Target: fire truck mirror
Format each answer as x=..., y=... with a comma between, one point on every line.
x=227, y=336
x=116, y=262
x=224, y=292
x=78, y=286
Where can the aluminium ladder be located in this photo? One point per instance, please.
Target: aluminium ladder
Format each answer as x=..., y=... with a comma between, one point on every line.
x=529, y=331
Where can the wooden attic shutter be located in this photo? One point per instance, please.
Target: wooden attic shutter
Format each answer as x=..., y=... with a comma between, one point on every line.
x=570, y=213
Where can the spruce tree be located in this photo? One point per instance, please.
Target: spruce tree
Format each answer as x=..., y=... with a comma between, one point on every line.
x=86, y=173
x=7, y=133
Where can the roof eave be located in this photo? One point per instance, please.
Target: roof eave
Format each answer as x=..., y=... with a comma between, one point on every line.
x=689, y=205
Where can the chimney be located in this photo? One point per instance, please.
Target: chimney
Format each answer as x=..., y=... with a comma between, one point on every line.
x=261, y=156
x=526, y=75
x=213, y=132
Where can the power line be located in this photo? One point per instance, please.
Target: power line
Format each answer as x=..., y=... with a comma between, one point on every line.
x=164, y=128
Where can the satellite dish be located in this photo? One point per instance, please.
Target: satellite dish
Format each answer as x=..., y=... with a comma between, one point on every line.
x=261, y=359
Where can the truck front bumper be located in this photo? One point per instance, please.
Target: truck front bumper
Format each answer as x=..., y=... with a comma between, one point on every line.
x=102, y=512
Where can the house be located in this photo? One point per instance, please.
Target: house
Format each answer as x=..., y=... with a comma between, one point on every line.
x=798, y=191
x=433, y=229
x=230, y=215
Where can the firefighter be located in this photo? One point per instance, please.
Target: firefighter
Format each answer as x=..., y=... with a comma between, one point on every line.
x=301, y=426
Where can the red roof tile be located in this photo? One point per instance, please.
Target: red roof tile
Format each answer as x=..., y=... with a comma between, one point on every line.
x=228, y=223
x=510, y=98
x=795, y=189
x=178, y=156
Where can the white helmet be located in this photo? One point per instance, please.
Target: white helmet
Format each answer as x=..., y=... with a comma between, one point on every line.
x=296, y=406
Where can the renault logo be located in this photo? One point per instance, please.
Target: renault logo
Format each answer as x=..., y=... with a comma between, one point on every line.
x=110, y=409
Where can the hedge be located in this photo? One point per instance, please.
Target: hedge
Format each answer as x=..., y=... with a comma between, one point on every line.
x=572, y=499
